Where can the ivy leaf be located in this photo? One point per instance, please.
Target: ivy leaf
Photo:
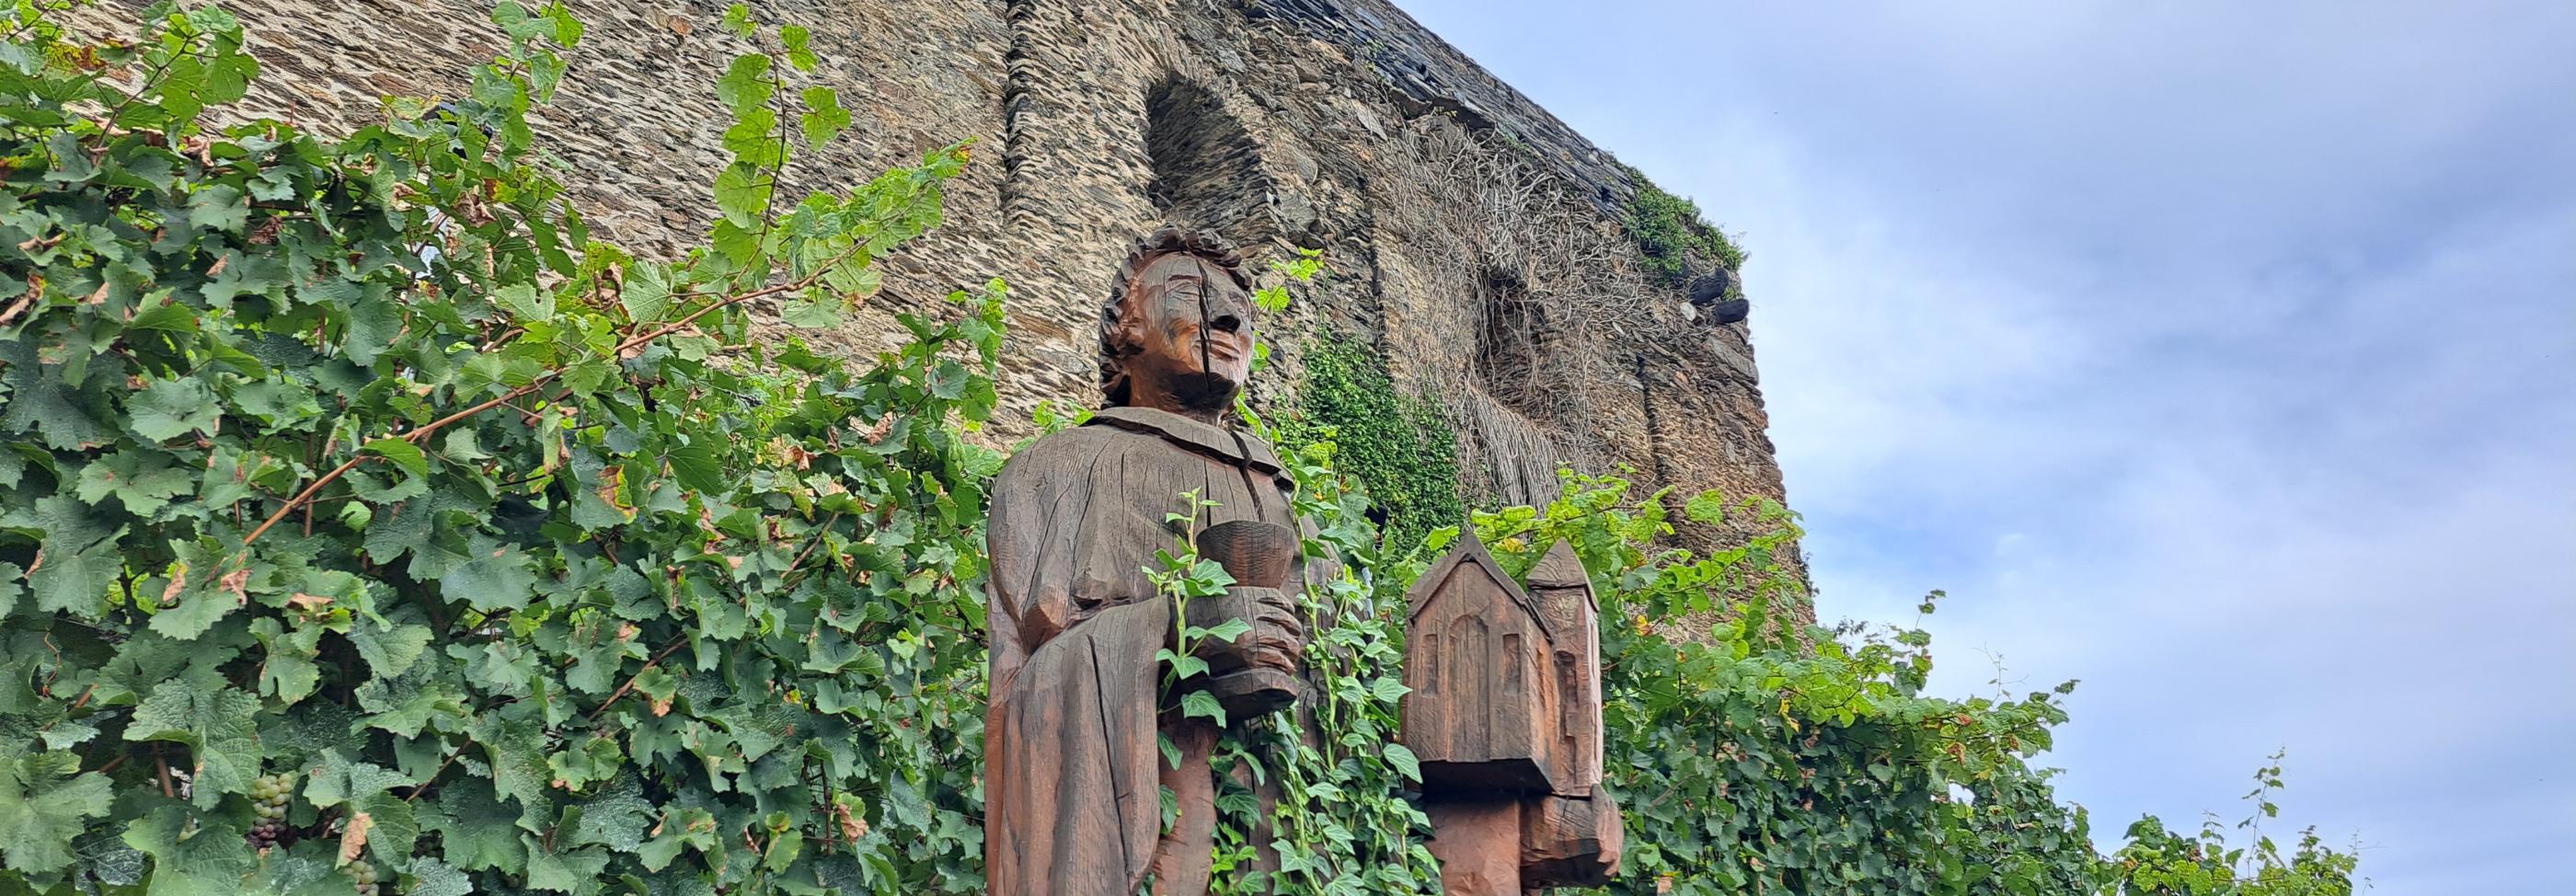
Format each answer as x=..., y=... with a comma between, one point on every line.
x=1202, y=705
x=43, y=798
x=1227, y=631
x=824, y=116
x=168, y=409
x=1402, y=758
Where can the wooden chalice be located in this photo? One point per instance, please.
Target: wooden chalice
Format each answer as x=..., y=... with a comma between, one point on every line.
x=1254, y=672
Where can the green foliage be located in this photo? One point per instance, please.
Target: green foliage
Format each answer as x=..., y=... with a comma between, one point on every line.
x=2160, y=862
x=362, y=510
x=1672, y=235
x=1401, y=447
x=1761, y=760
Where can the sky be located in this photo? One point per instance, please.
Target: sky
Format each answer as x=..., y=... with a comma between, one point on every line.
x=2219, y=355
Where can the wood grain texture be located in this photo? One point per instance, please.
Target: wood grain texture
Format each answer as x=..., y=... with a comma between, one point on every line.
x=1483, y=706
x=1477, y=841
x=1563, y=593
x=1072, y=801
x=1570, y=842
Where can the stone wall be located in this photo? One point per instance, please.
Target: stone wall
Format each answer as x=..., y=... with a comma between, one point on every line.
x=1468, y=233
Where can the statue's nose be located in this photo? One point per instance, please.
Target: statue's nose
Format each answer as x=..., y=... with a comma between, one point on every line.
x=1226, y=323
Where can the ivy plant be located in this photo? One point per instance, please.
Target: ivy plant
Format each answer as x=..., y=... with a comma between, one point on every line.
x=369, y=522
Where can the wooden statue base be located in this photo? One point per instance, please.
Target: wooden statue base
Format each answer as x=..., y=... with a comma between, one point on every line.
x=1509, y=845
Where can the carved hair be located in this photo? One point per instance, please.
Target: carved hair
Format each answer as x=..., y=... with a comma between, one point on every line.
x=1165, y=240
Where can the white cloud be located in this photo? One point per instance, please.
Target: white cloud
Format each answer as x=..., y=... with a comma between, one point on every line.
x=2222, y=356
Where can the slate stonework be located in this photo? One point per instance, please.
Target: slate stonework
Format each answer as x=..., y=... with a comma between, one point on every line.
x=1446, y=202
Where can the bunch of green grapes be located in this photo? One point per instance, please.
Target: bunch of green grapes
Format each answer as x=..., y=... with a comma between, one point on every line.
x=269, y=795
x=362, y=874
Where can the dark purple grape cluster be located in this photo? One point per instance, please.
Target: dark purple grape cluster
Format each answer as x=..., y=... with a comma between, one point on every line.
x=269, y=795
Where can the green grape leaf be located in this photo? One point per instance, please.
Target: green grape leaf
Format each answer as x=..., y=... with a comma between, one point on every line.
x=402, y=453
x=215, y=721
x=43, y=799
x=645, y=291
x=433, y=877
x=495, y=576
x=221, y=207
x=167, y=409
x=143, y=481
x=525, y=300
x=477, y=830
x=697, y=467
x=389, y=650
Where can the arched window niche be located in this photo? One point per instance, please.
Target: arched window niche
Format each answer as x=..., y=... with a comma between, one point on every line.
x=1206, y=168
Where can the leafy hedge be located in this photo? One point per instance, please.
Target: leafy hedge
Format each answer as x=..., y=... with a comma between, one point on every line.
x=361, y=463
x=366, y=523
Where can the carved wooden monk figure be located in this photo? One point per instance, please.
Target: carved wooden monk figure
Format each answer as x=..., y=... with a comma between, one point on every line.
x=1074, y=773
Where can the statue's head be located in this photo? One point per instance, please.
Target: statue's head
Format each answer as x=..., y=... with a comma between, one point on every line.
x=1176, y=333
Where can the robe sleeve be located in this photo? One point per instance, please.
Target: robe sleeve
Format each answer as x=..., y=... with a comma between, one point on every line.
x=1017, y=617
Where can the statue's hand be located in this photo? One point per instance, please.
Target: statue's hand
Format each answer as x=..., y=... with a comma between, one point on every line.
x=1254, y=672
x=1278, y=634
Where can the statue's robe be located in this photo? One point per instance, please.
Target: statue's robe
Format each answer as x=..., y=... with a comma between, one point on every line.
x=1073, y=769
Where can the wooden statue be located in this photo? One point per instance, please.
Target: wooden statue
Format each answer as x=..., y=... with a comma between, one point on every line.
x=1073, y=778
x=1505, y=714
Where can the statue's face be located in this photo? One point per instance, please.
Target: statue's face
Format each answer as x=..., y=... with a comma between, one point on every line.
x=1189, y=331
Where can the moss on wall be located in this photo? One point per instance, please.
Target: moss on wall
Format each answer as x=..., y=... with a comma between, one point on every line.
x=1400, y=447
x=1673, y=236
